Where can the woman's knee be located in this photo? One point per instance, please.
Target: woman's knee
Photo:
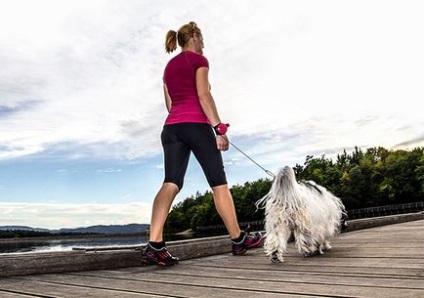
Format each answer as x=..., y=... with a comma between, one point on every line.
x=220, y=190
x=171, y=187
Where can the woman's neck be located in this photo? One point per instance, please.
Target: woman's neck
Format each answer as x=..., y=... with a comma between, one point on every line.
x=188, y=49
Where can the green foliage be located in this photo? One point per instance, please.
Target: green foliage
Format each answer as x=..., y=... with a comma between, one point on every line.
x=361, y=179
x=245, y=198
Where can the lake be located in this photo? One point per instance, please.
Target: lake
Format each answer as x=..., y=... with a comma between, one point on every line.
x=65, y=243
x=42, y=245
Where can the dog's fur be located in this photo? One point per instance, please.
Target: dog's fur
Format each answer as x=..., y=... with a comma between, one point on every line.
x=307, y=209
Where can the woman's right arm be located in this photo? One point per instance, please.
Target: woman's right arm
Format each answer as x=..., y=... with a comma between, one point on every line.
x=206, y=100
x=208, y=105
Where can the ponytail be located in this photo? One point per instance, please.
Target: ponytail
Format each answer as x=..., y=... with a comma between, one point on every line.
x=171, y=41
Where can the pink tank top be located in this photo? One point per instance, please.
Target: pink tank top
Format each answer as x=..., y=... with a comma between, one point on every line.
x=180, y=79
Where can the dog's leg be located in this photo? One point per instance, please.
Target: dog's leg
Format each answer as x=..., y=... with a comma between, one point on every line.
x=329, y=232
x=271, y=239
x=320, y=245
x=326, y=246
x=271, y=245
x=301, y=241
x=284, y=232
x=276, y=242
x=304, y=242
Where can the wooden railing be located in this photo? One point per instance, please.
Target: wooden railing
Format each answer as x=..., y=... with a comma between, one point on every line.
x=353, y=214
x=386, y=210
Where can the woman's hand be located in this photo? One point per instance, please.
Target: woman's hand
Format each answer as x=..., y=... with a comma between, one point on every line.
x=222, y=142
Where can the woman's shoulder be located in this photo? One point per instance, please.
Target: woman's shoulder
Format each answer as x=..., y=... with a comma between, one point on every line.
x=194, y=54
x=199, y=59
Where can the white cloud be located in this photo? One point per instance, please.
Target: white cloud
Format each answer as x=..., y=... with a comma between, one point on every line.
x=88, y=75
x=108, y=170
x=55, y=216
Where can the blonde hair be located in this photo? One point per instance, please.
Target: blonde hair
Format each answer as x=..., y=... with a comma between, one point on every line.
x=182, y=36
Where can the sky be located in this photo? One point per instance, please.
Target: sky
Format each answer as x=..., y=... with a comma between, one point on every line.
x=82, y=107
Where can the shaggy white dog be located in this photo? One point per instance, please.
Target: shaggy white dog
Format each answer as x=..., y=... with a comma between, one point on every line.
x=307, y=209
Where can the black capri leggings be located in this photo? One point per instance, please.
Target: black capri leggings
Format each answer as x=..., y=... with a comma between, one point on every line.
x=179, y=140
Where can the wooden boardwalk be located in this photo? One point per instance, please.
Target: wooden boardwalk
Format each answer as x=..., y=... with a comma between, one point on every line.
x=386, y=261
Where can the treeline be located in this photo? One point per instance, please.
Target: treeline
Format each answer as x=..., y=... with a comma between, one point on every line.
x=361, y=179
x=22, y=233
x=31, y=233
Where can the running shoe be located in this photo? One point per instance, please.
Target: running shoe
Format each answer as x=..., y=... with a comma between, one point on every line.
x=161, y=257
x=250, y=240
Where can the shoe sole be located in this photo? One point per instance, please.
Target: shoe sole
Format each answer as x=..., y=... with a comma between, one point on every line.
x=240, y=253
x=149, y=262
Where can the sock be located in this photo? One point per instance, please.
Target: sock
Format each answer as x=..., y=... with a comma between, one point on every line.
x=240, y=238
x=157, y=245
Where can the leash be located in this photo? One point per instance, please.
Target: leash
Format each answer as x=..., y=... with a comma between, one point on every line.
x=251, y=159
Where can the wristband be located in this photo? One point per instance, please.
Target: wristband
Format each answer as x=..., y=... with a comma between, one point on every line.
x=221, y=128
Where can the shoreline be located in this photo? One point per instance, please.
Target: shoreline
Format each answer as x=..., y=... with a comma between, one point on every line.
x=69, y=238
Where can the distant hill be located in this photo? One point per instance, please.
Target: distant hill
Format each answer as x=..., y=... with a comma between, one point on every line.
x=23, y=228
x=99, y=229
x=112, y=229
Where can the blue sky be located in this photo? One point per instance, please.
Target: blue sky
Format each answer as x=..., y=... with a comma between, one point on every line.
x=81, y=103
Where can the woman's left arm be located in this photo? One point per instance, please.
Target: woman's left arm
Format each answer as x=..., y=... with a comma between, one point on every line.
x=168, y=101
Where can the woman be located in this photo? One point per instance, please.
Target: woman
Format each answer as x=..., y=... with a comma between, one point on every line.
x=192, y=125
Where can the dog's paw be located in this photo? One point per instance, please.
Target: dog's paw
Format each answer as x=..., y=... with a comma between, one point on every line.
x=311, y=254
x=274, y=258
x=326, y=248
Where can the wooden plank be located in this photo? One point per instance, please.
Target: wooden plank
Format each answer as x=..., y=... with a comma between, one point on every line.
x=330, y=271
x=263, y=263
x=382, y=272
x=417, y=245
x=120, y=287
x=367, y=252
x=376, y=268
x=190, y=286
x=193, y=272
x=37, y=288
x=384, y=250
x=14, y=295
